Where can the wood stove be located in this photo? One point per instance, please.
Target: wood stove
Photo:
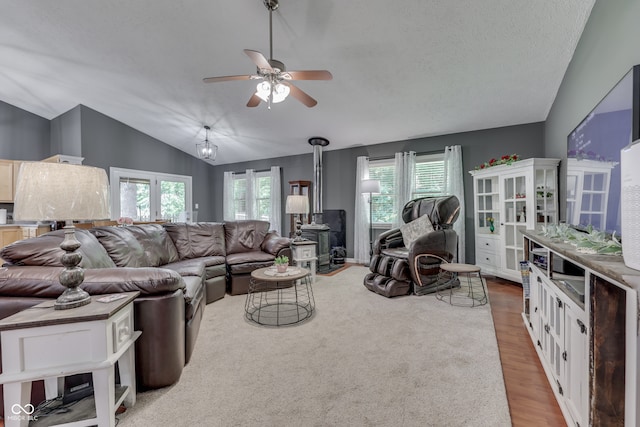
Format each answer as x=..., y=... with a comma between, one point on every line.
x=320, y=234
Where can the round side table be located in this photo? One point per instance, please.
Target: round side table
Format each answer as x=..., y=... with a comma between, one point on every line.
x=471, y=292
x=279, y=299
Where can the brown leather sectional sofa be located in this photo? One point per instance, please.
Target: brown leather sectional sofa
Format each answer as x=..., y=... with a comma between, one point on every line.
x=178, y=269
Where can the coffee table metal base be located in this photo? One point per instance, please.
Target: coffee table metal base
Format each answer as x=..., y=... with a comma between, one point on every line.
x=279, y=301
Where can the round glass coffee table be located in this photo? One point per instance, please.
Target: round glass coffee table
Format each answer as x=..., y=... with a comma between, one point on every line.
x=279, y=299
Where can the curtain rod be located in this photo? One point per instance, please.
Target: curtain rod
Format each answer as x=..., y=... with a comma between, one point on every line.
x=255, y=170
x=424, y=153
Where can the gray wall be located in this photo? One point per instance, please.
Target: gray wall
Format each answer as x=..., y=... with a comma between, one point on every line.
x=607, y=50
x=107, y=142
x=23, y=135
x=339, y=167
x=66, y=133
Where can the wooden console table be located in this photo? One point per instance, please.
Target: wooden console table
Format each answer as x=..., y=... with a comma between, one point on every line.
x=581, y=312
x=43, y=343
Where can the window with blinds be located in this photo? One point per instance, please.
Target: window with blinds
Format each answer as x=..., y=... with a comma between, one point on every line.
x=428, y=182
x=150, y=196
x=262, y=196
x=429, y=178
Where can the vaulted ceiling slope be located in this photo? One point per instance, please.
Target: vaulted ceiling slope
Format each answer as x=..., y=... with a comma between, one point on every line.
x=402, y=70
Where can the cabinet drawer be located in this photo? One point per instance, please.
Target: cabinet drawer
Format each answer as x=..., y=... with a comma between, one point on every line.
x=487, y=244
x=488, y=258
x=122, y=325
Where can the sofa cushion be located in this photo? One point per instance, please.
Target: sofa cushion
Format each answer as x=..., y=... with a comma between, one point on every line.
x=416, y=228
x=197, y=240
x=145, y=245
x=44, y=282
x=247, y=257
x=246, y=262
x=244, y=236
x=187, y=267
x=45, y=251
x=193, y=288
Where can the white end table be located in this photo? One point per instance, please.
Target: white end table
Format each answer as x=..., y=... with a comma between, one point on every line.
x=304, y=253
x=43, y=343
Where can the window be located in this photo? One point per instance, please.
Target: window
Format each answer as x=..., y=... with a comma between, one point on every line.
x=240, y=197
x=150, y=196
x=428, y=181
x=262, y=196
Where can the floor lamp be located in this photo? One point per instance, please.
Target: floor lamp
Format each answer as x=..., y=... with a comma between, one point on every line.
x=370, y=186
x=61, y=191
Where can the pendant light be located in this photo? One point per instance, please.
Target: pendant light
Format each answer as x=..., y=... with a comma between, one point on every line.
x=207, y=150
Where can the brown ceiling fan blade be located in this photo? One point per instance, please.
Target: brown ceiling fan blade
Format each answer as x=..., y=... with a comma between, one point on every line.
x=258, y=59
x=308, y=75
x=227, y=78
x=300, y=95
x=254, y=101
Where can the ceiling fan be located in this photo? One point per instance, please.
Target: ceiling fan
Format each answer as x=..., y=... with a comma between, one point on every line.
x=276, y=80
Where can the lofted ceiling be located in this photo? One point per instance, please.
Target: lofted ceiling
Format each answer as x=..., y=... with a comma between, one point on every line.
x=401, y=70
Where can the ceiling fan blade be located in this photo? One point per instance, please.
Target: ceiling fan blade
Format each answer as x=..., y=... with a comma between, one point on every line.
x=254, y=101
x=259, y=59
x=227, y=78
x=307, y=75
x=300, y=95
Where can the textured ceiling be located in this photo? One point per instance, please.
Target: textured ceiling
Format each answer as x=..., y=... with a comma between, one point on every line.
x=401, y=70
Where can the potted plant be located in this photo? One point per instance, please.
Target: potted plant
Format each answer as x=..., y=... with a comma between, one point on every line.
x=281, y=263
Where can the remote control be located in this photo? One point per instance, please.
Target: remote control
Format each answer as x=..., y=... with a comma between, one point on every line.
x=110, y=298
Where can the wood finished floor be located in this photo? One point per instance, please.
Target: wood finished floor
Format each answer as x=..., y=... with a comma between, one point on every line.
x=531, y=400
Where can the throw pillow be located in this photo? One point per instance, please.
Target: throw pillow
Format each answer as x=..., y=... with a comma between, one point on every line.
x=416, y=228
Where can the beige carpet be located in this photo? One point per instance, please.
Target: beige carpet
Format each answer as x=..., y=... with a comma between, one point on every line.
x=362, y=360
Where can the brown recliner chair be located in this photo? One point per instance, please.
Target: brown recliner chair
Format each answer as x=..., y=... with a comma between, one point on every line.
x=399, y=270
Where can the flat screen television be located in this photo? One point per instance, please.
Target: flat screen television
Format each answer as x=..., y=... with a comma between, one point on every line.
x=593, y=184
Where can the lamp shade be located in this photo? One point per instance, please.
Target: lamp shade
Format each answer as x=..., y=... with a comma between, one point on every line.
x=61, y=191
x=370, y=186
x=297, y=204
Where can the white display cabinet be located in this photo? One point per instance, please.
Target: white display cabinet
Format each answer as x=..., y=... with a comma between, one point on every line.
x=519, y=196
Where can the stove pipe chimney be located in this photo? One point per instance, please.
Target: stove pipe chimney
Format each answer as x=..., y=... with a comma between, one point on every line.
x=317, y=143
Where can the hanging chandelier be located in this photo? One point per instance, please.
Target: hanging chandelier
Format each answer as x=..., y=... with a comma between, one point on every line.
x=207, y=150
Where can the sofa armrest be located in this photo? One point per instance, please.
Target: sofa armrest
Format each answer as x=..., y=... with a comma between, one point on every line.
x=273, y=244
x=43, y=282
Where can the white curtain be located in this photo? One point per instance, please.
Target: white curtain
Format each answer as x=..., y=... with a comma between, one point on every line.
x=228, y=208
x=252, y=208
x=405, y=167
x=275, y=214
x=454, y=184
x=361, y=228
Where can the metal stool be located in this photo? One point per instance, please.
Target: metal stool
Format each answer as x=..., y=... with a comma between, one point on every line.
x=471, y=295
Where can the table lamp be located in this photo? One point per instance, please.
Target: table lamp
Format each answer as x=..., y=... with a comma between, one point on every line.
x=61, y=191
x=370, y=186
x=297, y=205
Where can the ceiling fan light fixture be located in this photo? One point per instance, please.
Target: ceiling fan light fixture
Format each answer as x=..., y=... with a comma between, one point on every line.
x=263, y=90
x=207, y=150
x=280, y=93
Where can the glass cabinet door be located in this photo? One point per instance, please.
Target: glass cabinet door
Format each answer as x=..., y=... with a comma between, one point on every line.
x=515, y=220
x=546, y=197
x=487, y=205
